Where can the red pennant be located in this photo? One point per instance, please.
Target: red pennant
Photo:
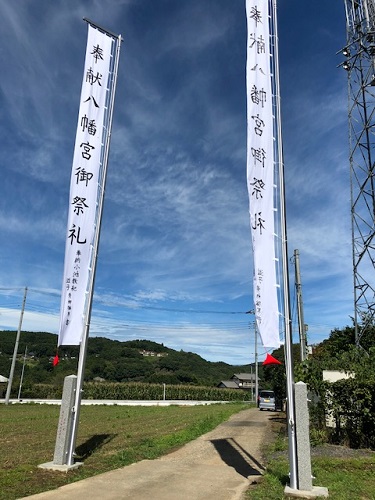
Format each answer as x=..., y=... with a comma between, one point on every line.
x=270, y=360
x=55, y=360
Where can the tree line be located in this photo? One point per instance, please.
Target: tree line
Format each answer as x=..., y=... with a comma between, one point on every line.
x=349, y=402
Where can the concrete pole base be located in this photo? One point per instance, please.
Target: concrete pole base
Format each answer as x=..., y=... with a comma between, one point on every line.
x=317, y=491
x=60, y=468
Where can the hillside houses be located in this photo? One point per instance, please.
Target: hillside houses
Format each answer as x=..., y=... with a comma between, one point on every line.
x=153, y=354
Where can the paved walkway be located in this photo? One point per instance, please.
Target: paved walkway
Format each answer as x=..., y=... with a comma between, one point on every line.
x=220, y=465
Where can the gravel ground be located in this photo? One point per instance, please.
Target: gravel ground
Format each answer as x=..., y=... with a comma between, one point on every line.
x=335, y=451
x=330, y=451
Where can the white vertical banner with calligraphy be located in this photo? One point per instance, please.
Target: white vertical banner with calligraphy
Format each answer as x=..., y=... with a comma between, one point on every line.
x=260, y=170
x=84, y=185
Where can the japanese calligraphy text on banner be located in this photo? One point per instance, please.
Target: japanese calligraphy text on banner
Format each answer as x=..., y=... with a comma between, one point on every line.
x=84, y=185
x=260, y=170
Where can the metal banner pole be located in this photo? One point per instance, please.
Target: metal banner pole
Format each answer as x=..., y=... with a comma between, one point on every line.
x=284, y=250
x=256, y=364
x=83, y=346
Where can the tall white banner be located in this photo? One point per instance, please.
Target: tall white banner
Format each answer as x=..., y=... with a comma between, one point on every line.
x=260, y=170
x=84, y=185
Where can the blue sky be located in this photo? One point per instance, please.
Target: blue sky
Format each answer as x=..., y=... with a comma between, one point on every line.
x=175, y=261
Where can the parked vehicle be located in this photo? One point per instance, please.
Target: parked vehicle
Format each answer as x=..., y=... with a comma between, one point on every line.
x=266, y=400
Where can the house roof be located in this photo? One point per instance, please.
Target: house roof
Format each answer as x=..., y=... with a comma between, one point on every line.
x=244, y=376
x=229, y=384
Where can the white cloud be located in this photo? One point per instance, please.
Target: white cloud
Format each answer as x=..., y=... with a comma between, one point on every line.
x=175, y=231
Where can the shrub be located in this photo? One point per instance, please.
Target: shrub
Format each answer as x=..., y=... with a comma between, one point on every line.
x=352, y=404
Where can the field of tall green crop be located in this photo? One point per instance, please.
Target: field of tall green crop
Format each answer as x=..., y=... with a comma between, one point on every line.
x=142, y=391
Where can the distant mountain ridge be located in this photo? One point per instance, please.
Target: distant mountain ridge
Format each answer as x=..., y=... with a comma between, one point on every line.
x=132, y=360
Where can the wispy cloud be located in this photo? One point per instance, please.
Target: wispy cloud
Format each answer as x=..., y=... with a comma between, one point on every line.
x=175, y=233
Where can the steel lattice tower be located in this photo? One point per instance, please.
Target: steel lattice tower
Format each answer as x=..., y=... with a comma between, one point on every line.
x=360, y=64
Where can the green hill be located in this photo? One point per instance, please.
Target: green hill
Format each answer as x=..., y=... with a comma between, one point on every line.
x=114, y=361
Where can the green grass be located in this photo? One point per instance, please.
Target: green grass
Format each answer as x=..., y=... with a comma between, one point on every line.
x=113, y=436
x=345, y=478
x=108, y=437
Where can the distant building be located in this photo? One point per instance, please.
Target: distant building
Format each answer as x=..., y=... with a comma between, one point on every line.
x=3, y=380
x=153, y=354
x=245, y=381
x=228, y=384
x=333, y=376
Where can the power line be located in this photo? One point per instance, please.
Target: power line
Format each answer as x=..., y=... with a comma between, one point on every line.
x=117, y=302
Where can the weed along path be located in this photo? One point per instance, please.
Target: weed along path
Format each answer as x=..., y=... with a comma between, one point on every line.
x=220, y=465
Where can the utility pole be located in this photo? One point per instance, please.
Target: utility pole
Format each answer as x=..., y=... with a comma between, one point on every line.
x=11, y=373
x=301, y=323
x=256, y=355
x=22, y=373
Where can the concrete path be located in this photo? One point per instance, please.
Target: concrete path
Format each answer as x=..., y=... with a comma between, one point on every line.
x=220, y=465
